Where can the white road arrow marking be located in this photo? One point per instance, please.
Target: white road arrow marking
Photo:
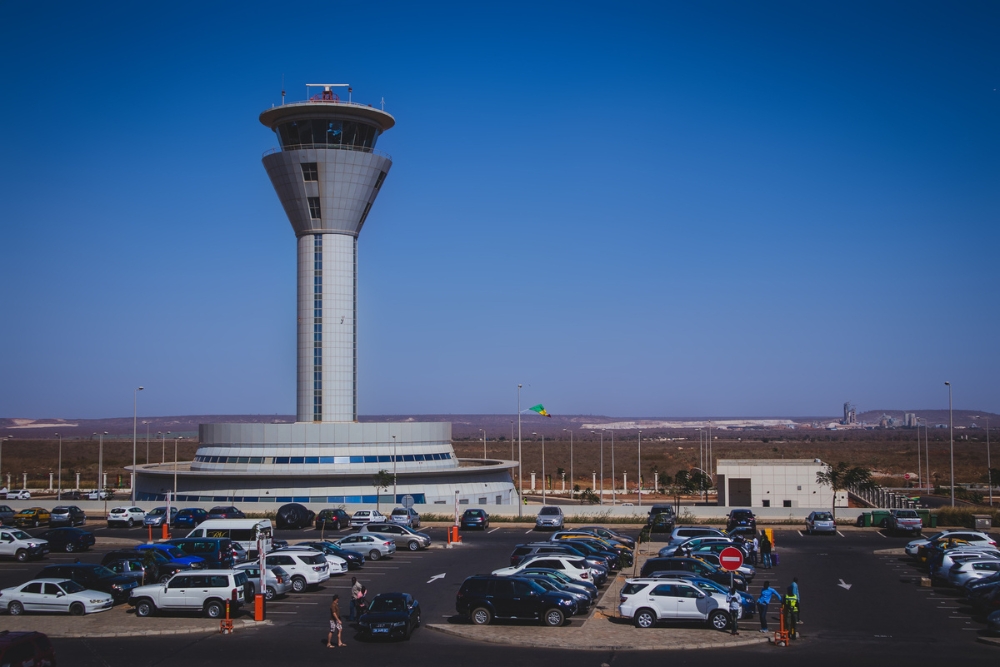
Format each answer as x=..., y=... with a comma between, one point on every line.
x=441, y=576
x=846, y=587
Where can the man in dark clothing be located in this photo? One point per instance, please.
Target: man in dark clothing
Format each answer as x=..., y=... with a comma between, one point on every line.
x=765, y=551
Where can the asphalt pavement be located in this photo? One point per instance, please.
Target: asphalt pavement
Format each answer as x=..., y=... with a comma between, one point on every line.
x=860, y=605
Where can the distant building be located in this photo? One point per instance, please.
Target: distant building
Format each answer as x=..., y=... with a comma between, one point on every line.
x=850, y=414
x=774, y=483
x=910, y=420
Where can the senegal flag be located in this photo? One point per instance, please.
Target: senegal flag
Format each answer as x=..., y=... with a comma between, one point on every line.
x=540, y=409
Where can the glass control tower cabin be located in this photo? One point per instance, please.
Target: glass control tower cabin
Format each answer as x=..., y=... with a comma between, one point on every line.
x=327, y=174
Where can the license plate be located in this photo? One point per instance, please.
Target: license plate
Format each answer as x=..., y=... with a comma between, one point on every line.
x=380, y=630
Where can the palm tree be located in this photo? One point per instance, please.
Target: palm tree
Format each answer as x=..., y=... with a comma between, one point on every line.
x=842, y=477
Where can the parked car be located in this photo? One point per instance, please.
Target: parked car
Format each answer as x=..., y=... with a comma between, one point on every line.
x=337, y=565
x=524, y=551
x=23, y=494
x=67, y=515
x=225, y=512
x=54, y=596
x=610, y=534
x=903, y=521
x=6, y=515
x=712, y=558
x=294, y=515
x=695, y=543
x=137, y=569
x=572, y=566
x=93, y=576
x=701, y=568
x=391, y=615
x=474, y=518
x=175, y=555
x=157, y=515
x=24, y=649
x=128, y=516
x=625, y=555
x=276, y=580
x=483, y=598
x=354, y=560
x=216, y=551
x=162, y=566
x=550, y=517
x=741, y=518
x=579, y=595
x=68, y=539
x=31, y=517
x=661, y=524
x=369, y=545
x=562, y=578
x=648, y=601
x=361, y=517
x=748, y=606
x=971, y=537
x=820, y=522
x=405, y=516
x=305, y=567
x=189, y=517
x=205, y=591
x=993, y=623
x=101, y=494
x=17, y=544
x=72, y=495
x=685, y=533
x=332, y=519
x=402, y=535
x=975, y=568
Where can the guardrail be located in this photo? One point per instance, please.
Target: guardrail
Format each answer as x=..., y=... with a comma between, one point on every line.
x=339, y=147
x=882, y=498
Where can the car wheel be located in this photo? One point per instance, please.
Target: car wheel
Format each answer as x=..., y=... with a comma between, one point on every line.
x=21, y=555
x=298, y=584
x=77, y=609
x=131, y=523
x=413, y=545
x=374, y=554
x=481, y=616
x=70, y=547
x=554, y=618
x=885, y=523
x=36, y=523
x=719, y=620
x=214, y=609
x=416, y=624
x=15, y=608
x=270, y=593
x=144, y=608
x=645, y=618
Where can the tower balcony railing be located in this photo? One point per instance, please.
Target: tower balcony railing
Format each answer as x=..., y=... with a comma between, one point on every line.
x=342, y=147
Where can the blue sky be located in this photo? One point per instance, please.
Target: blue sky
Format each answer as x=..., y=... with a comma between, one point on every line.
x=634, y=209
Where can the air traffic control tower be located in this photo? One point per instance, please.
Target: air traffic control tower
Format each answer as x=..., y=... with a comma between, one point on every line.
x=327, y=174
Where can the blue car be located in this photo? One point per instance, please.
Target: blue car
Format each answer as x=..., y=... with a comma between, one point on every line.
x=175, y=555
x=189, y=517
x=709, y=586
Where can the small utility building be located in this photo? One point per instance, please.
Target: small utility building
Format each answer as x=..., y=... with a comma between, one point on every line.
x=773, y=483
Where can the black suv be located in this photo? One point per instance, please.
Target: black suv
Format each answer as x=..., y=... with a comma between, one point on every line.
x=662, y=565
x=92, y=576
x=662, y=517
x=294, y=515
x=225, y=512
x=334, y=519
x=485, y=597
x=741, y=519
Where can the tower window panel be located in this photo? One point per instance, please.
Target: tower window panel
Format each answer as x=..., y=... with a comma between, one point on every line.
x=378, y=181
x=310, y=171
x=314, y=211
x=364, y=215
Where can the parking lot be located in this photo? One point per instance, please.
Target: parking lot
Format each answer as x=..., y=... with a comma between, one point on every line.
x=859, y=603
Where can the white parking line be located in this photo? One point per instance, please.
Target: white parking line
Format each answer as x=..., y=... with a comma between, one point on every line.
x=879, y=533
x=528, y=532
x=841, y=534
x=282, y=612
x=291, y=602
x=800, y=533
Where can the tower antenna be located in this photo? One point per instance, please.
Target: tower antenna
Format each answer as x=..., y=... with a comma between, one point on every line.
x=282, y=90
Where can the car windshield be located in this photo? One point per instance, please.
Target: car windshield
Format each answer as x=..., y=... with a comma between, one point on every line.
x=175, y=552
x=20, y=535
x=906, y=514
x=157, y=511
x=549, y=510
x=400, y=513
x=388, y=604
x=104, y=572
x=60, y=510
x=822, y=516
x=71, y=586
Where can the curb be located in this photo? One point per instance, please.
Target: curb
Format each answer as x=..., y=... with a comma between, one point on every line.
x=546, y=641
x=243, y=624
x=993, y=641
x=901, y=551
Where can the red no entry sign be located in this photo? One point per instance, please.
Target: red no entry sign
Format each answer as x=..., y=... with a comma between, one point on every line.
x=731, y=559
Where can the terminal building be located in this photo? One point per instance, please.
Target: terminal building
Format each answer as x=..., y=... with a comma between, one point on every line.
x=774, y=483
x=327, y=173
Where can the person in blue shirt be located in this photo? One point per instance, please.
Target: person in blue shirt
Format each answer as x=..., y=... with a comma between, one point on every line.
x=763, y=601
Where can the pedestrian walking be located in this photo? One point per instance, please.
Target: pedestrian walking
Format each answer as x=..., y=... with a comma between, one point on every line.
x=754, y=546
x=790, y=610
x=766, y=595
x=355, y=594
x=765, y=550
x=734, y=602
x=335, y=624
x=798, y=598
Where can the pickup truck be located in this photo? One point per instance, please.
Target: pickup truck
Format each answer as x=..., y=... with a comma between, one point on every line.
x=903, y=521
x=17, y=544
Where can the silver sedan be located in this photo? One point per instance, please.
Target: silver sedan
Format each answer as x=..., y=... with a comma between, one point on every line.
x=402, y=535
x=59, y=596
x=371, y=546
x=277, y=581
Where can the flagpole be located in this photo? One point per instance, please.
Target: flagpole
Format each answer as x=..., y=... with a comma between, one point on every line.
x=520, y=477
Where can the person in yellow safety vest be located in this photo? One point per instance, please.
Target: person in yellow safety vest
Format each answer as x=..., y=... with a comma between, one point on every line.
x=790, y=610
x=526, y=500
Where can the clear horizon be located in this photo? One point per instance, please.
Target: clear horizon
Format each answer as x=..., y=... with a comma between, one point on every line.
x=648, y=208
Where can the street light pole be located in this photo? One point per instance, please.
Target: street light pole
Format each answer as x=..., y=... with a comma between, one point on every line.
x=571, y=460
x=135, y=403
x=511, y=439
x=100, y=463
x=535, y=435
x=147, y=441
x=602, y=468
x=520, y=474
x=919, y=471
x=394, y=470
x=163, y=447
x=484, y=443
x=639, y=471
x=7, y=437
x=175, y=468
x=951, y=440
x=989, y=470
x=613, y=478
x=59, y=493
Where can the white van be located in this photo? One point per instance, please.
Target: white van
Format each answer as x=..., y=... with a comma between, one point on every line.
x=240, y=531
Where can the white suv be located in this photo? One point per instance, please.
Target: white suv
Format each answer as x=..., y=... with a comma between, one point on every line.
x=205, y=590
x=126, y=515
x=308, y=568
x=647, y=601
x=362, y=517
x=15, y=543
x=337, y=564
